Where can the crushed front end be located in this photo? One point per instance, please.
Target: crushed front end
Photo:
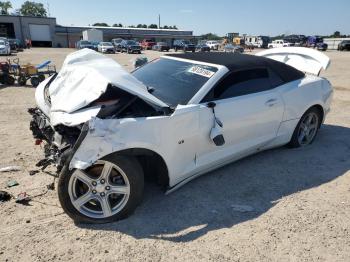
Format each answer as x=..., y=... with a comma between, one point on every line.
x=58, y=141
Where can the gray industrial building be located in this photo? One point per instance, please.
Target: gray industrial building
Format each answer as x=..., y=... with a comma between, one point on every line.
x=44, y=31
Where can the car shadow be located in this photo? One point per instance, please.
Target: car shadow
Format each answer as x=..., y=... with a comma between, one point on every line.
x=238, y=192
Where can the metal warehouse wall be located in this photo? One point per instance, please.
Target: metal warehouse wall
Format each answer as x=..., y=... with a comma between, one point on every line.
x=21, y=25
x=333, y=42
x=69, y=35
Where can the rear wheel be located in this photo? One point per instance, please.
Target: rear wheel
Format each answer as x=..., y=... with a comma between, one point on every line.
x=34, y=81
x=107, y=191
x=306, y=130
x=11, y=80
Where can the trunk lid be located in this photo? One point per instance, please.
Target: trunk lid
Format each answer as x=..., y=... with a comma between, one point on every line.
x=304, y=59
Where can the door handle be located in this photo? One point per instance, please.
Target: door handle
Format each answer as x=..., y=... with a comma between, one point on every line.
x=271, y=102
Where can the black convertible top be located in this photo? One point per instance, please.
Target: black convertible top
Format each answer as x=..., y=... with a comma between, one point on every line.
x=237, y=62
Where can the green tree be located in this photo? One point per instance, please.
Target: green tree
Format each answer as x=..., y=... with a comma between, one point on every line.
x=165, y=27
x=144, y=26
x=139, y=26
x=100, y=24
x=117, y=25
x=33, y=9
x=153, y=26
x=211, y=36
x=4, y=7
x=336, y=34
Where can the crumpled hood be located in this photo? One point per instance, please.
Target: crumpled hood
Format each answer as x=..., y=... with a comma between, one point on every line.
x=85, y=75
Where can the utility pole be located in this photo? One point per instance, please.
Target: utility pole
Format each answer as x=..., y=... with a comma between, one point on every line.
x=48, y=9
x=159, y=21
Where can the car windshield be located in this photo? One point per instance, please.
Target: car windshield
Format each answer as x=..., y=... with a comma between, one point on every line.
x=172, y=81
x=107, y=44
x=131, y=42
x=85, y=43
x=2, y=42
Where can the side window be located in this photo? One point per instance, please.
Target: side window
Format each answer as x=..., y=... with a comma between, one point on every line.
x=243, y=83
x=275, y=79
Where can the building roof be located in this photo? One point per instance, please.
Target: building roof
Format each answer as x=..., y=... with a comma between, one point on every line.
x=236, y=62
x=125, y=31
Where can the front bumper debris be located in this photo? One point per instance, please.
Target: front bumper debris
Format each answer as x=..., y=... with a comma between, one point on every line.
x=58, y=142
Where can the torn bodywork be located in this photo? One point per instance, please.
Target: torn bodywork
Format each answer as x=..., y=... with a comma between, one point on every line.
x=58, y=141
x=89, y=85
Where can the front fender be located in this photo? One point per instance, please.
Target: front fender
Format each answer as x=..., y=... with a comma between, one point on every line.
x=109, y=136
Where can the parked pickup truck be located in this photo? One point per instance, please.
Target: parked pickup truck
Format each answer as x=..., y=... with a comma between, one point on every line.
x=184, y=45
x=278, y=43
x=147, y=44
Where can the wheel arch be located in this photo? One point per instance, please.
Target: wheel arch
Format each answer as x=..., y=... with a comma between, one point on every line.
x=320, y=109
x=152, y=163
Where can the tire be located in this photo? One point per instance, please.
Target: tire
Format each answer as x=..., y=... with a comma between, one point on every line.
x=34, y=81
x=10, y=80
x=122, y=166
x=41, y=77
x=312, y=129
x=22, y=81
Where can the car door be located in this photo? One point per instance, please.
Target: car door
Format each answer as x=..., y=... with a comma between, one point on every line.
x=250, y=110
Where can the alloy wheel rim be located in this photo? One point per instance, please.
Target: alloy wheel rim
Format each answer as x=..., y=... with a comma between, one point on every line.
x=308, y=129
x=100, y=191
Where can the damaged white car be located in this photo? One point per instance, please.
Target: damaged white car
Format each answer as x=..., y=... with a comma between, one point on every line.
x=171, y=120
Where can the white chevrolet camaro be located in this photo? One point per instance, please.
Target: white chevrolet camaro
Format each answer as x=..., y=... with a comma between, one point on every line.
x=172, y=120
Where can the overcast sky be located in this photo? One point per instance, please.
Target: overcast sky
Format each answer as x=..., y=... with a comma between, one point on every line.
x=267, y=17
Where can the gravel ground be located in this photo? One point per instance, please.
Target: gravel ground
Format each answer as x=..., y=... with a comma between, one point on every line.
x=279, y=205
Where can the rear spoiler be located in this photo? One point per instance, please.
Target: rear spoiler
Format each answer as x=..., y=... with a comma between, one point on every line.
x=304, y=59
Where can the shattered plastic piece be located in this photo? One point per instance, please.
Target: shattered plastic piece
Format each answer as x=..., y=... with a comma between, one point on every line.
x=50, y=186
x=33, y=172
x=242, y=208
x=140, y=61
x=12, y=183
x=10, y=168
x=23, y=198
x=4, y=196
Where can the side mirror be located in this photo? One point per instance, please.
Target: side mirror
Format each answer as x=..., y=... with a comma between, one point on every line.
x=211, y=105
x=216, y=134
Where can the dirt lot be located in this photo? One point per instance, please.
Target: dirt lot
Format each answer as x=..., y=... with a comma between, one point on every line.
x=299, y=199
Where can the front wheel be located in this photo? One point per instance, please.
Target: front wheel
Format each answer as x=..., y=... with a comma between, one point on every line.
x=307, y=128
x=107, y=191
x=35, y=81
x=22, y=80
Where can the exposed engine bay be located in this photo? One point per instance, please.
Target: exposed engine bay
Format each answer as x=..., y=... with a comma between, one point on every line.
x=60, y=139
x=88, y=85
